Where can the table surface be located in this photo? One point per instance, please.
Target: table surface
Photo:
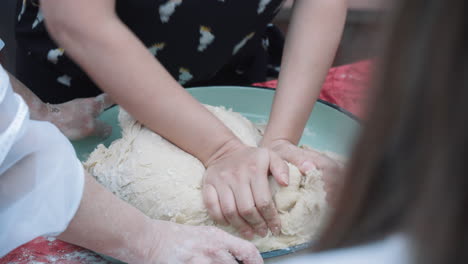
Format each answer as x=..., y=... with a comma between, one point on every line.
x=345, y=86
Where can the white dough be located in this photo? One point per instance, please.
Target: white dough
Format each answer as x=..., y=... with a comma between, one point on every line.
x=165, y=182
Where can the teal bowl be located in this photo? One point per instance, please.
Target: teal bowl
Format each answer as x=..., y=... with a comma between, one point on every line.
x=329, y=127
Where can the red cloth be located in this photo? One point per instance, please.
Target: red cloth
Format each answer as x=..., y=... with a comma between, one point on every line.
x=345, y=86
x=43, y=250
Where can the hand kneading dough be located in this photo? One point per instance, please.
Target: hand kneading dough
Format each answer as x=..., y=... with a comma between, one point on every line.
x=165, y=182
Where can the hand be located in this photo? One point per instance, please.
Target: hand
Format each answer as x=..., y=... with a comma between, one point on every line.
x=236, y=189
x=106, y=224
x=199, y=244
x=307, y=159
x=77, y=119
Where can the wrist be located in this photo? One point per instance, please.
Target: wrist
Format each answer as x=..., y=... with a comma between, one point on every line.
x=272, y=143
x=227, y=147
x=40, y=112
x=142, y=244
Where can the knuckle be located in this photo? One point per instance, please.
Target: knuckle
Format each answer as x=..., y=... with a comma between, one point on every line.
x=211, y=251
x=299, y=159
x=224, y=174
x=275, y=222
x=264, y=205
x=230, y=213
x=244, y=229
x=259, y=225
x=210, y=204
x=252, y=168
x=248, y=212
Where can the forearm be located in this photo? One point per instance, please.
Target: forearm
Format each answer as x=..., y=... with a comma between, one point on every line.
x=138, y=82
x=314, y=35
x=38, y=110
x=106, y=224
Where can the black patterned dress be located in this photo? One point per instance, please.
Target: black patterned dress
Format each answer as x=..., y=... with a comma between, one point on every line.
x=200, y=42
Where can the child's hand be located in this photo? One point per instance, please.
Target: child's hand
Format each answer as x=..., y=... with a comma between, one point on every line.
x=306, y=159
x=236, y=189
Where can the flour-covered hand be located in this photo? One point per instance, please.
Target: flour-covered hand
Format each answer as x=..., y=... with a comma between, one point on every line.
x=236, y=189
x=77, y=119
x=181, y=244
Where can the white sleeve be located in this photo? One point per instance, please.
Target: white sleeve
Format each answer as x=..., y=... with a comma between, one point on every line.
x=41, y=180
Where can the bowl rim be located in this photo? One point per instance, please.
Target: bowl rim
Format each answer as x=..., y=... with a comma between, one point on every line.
x=332, y=105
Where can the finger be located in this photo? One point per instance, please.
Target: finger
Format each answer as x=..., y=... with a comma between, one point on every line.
x=247, y=210
x=304, y=160
x=101, y=129
x=105, y=100
x=242, y=250
x=324, y=162
x=264, y=203
x=99, y=104
x=279, y=169
x=223, y=256
x=212, y=203
x=317, y=160
x=229, y=208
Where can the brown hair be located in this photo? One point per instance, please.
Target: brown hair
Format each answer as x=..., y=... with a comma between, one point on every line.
x=409, y=169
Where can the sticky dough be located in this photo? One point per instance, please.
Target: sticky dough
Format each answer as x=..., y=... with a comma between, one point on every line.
x=165, y=182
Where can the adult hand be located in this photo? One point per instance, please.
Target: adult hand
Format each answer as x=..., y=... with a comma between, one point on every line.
x=106, y=224
x=307, y=159
x=78, y=118
x=199, y=244
x=236, y=189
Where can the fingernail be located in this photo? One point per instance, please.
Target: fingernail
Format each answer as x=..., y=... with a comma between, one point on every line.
x=307, y=166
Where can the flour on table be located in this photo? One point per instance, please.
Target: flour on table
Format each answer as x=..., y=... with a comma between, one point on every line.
x=165, y=182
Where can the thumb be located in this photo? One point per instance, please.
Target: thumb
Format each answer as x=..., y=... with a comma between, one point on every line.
x=279, y=169
x=304, y=160
x=106, y=100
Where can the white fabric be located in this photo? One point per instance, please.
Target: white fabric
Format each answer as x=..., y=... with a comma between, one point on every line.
x=41, y=180
x=1, y=44
x=392, y=250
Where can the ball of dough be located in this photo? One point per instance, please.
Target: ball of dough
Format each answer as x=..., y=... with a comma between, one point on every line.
x=165, y=182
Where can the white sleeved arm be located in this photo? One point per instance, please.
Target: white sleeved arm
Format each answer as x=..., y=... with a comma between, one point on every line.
x=41, y=180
